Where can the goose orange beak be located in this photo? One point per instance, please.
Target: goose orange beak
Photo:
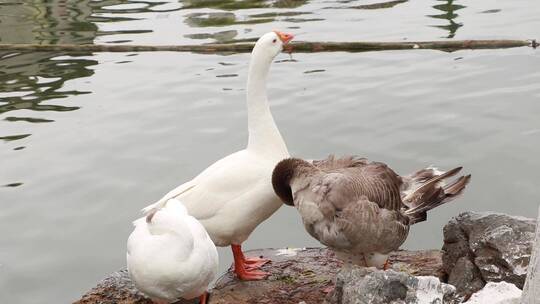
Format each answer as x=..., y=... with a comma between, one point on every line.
x=284, y=37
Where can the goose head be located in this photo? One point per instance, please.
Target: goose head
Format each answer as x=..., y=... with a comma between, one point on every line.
x=271, y=44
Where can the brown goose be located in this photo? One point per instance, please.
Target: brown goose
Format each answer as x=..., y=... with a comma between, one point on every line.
x=361, y=209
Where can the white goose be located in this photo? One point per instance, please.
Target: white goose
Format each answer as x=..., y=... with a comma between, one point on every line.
x=234, y=195
x=170, y=255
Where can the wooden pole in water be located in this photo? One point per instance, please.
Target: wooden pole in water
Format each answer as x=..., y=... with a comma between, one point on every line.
x=531, y=290
x=298, y=47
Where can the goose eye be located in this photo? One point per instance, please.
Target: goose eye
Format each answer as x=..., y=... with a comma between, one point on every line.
x=274, y=41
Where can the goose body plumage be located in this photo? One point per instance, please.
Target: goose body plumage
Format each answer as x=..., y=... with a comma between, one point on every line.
x=170, y=255
x=232, y=196
x=361, y=209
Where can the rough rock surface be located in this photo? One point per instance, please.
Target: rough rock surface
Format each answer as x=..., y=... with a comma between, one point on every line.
x=360, y=285
x=531, y=290
x=496, y=293
x=119, y=289
x=296, y=275
x=486, y=247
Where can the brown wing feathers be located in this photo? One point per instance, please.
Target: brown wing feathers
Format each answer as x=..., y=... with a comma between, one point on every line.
x=420, y=192
x=349, y=177
x=333, y=163
x=287, y=168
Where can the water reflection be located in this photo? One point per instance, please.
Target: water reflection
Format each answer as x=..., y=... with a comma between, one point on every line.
x=371, y=6
x=224, y=4
x=46, y=22
x=110, y=7
x=12, y=185
x=314, y=71
x=36, y=78
x=289, y=3
x=449, y=13
x=228, y=18
x=219, y=19
x=221, y=37
x=14, y=137
x=490, y=11
x=242, y=4
x=29, y=80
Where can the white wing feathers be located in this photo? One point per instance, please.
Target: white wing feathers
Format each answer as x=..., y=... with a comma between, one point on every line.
x=172, y=194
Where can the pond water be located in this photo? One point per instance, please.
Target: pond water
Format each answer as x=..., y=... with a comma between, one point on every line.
x=86, y=141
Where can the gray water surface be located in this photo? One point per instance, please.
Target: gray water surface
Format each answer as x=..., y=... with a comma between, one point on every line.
x=86, y=141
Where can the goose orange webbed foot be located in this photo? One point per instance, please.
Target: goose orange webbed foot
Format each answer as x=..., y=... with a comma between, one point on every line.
x=251, y=274
x=255, y=262
x=247, y=269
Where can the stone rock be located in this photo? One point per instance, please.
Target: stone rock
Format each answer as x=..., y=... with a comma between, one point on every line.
x=296, y=275
x=486, y=247
x=360, y=285
x=531, y=290
x=497, y=293
x=465, y=276
x=418, y=262
x=117, y=289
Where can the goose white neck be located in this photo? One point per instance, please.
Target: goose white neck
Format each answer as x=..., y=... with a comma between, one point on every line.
x=264, y=135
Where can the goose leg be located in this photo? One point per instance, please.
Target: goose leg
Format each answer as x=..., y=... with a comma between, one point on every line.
x=247, y=270
x=203, y=298
x=387, y=265
x=252, y=262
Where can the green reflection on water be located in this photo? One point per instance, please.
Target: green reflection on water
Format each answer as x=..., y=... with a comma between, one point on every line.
x=380, y=5
x=39, y=77
x=224, y=4
x=370, y=6
x=243, y=4
x=278, y=14
x=222, y=37
x=28, y=81
x=219, y=19
x=449, y=13
x=14, y=137
x=12, y=185
x=28, y=119
x=289, y=3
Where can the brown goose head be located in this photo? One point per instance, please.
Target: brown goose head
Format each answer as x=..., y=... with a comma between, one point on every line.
x=282, y=175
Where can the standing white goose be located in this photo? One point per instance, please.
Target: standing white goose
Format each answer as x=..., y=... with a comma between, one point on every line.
x=234, y=195
x=170, y=255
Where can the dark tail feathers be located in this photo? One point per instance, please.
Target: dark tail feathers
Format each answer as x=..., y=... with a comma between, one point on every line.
x=428, y=189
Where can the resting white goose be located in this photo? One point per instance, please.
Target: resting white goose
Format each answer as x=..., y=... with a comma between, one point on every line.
x=361, y=209
x=170, y=255
x=234, y=195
